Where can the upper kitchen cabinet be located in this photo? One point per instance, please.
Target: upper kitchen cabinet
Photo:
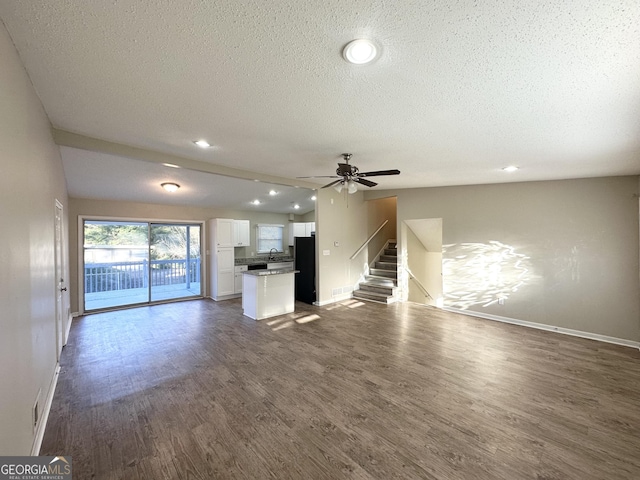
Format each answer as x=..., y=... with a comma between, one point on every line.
x=223, y=232
x=241, y=233
x=301, y=229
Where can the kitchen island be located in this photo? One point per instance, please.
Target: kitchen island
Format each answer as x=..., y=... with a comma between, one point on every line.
x=267, y=293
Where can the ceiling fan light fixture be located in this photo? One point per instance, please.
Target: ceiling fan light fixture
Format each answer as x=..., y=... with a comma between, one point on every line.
x=170, y=186
x=359, y=51
x=352, y=187
x=339, y=186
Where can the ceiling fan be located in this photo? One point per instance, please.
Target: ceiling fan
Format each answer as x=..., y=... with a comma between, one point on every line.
x=349, y=175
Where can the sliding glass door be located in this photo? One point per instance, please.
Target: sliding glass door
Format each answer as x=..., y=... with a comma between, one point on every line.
x=129, y=263
x=175, y=261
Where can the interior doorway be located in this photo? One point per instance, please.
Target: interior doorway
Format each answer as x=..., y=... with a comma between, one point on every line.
x=60, y=285
x=130, y=263
x=421, y=242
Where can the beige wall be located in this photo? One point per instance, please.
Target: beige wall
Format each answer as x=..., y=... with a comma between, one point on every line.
x=578, y=240
x=377, y=212
x=347, y=220
x=146, y=211
x=31, y=181
x=343, y=220
x=426, y=266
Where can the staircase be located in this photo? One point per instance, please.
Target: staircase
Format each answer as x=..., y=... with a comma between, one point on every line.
x=382, y=282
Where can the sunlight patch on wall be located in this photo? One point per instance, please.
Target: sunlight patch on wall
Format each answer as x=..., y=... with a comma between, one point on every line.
x=482, y=273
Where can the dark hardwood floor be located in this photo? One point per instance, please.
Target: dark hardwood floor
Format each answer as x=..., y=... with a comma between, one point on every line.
x=194, y=390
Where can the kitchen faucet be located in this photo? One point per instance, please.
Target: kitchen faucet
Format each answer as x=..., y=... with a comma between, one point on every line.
x=271, y=256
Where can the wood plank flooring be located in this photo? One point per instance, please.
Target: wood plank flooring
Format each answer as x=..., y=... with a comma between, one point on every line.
x=194, y=390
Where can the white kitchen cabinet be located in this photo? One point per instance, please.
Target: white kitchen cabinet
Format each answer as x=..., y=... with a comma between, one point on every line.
x=222, y=260
x=267, y=295
x=238, y=277
x=309, y=227
x=224, y=272
x=222, y=230
x=300, y=229
x=241, y=233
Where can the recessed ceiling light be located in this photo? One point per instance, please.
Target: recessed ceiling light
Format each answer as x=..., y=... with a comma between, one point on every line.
x=272, y=192
x=171, y=165
x=170, y=186
x=296, y=206
x=202, y=143
x=314, y=198
x=256, y=202
x=360, y=51
x=510, y=168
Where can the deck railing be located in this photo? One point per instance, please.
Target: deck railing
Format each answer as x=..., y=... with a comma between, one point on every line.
x=105, y=277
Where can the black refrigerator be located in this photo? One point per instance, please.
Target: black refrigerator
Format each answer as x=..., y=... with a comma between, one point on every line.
x=305, y=254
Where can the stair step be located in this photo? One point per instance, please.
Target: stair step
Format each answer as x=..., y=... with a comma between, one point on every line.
x=373, y=297
x=391, y=252
x=381, y=272
x=386, y=266
x=389, y=258
x=385, y=281
x=389, y=290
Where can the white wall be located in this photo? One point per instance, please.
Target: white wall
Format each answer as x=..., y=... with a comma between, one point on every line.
x=578, y=240
x=32, y=179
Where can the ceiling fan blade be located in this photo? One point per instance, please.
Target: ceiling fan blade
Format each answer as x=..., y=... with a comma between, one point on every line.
x=367, y=183
x=333, y=183
x=322, y=176
x=379, y=173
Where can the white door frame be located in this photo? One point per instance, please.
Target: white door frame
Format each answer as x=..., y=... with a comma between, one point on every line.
x=60, y=285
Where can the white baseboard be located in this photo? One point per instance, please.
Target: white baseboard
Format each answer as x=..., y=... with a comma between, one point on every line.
x=336, y=299
x=550, y=328
x=42, y=424
x=66, y=333
x=225, y=297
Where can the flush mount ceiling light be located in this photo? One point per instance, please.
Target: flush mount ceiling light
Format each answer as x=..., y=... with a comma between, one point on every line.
x=359, y=51
x=202, y=143
x=510, y=168
x=256, y=202
x=296, y=206
x=170, y=186
x=272, y=192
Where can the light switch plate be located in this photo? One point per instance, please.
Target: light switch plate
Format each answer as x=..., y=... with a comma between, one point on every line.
x=326, y=252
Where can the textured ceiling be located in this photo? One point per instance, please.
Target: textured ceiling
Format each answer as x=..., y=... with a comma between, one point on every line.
x=138, y=181
x=460, y=90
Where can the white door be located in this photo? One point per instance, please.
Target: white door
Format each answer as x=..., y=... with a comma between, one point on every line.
x=60, y=284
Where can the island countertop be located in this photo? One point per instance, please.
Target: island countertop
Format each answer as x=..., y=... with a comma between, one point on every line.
x=261, y=273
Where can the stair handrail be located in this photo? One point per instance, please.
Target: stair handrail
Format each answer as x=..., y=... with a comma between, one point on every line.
x=415, y=279
x=368, y=240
